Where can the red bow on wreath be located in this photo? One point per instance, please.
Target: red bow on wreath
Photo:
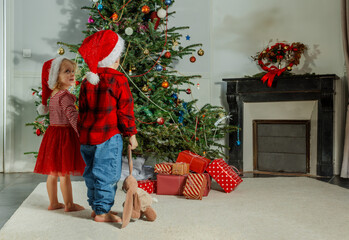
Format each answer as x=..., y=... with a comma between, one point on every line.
x=273, y=71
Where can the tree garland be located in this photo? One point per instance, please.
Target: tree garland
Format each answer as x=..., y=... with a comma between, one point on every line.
x=277, y=54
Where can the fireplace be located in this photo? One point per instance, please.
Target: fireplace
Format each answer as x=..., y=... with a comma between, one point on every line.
x=288, y=89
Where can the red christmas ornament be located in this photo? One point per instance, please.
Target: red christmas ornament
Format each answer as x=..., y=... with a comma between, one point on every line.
x=38, y=132
x=77, y=83
x=192, y=59
x=188, y=91
x=33, y=93
x=160, y=120
x=154, y=16
x=167, y=54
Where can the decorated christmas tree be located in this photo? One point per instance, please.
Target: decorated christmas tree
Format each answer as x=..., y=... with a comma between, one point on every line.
x=166, y=124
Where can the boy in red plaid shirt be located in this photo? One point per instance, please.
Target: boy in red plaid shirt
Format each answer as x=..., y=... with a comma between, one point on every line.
x=105, y=112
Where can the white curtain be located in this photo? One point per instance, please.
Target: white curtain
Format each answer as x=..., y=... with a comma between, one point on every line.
x=345, y=30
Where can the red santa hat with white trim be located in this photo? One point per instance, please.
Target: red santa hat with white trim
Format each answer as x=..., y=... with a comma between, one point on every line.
x=101, y=49
x=49, y=76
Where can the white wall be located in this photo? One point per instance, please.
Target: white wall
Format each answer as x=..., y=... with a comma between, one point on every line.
x=231, y=32
x=2, y=77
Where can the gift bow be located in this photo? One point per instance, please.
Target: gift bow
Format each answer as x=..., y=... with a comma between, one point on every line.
x=271, y=75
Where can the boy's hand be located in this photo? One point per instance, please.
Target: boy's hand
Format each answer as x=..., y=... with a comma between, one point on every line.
x=133, y=142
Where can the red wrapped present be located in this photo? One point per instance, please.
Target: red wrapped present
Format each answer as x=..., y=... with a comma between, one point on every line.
x=146, y=185
x=197, y=163
x=180, y=168
x=224, y=175
x=155, y=185
x=208, y=185
x=170, y=184
x=163, y=168
x=195, y=186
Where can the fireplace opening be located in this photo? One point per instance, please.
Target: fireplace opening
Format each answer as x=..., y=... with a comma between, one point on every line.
x=281, y=146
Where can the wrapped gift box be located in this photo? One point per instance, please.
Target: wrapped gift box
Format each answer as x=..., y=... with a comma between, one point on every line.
x=197, y=163
x=195, y=186
x=146, y=185
x=170, y=184
x=163, y=168
x=208, y=185
x=180, y=168
x=224, y=175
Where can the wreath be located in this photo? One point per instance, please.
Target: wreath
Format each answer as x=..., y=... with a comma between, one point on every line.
x=283, y=55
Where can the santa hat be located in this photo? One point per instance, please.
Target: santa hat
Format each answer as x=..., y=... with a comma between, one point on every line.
x=101, y=49
x=49, y=76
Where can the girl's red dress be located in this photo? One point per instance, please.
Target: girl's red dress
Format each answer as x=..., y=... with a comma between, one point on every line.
x=59, y=152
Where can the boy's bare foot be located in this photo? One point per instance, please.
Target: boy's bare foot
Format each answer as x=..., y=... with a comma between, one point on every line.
x=93, y=214
x=55, y=206
x=73, y=208
x=107, y=217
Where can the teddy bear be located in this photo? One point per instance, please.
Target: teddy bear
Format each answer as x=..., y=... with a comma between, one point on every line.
x=138, y=202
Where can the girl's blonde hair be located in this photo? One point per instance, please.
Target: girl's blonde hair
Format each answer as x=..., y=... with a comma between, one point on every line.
x=58, y=84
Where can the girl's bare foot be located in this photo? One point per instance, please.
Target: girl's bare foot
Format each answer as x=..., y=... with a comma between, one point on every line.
x=55, y=206
x=73, y=208
x=107, y=217
x=93, y=214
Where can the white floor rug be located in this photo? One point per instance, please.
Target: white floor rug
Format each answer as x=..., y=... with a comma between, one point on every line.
x=293, y=208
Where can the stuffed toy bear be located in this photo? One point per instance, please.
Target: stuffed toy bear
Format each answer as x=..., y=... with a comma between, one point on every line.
x=138, y=202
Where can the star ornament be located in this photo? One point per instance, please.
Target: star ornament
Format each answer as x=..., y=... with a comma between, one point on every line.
x=187, y=37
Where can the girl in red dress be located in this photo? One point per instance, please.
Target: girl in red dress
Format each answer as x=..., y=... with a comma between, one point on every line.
x=59, y=153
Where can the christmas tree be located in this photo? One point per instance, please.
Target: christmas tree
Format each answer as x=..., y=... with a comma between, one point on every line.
x=166, y=124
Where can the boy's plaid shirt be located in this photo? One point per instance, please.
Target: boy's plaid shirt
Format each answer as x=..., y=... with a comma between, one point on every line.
x=105, y=109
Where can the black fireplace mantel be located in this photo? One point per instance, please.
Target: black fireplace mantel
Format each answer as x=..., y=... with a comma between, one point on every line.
x=287, y=88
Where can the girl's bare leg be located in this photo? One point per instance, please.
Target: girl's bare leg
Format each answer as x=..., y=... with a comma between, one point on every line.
x=51, y=185
x=67, y=193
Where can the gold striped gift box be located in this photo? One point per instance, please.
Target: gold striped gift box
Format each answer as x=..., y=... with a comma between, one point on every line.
x=164, y=168
x=195, y=186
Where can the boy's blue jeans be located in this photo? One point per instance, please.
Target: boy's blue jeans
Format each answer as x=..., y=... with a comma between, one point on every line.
x=102, y=172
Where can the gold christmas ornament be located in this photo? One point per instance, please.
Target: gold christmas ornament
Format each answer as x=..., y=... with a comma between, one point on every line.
x=60, y=51
x=201, y=52
x=133, y=68
x=289, y=68
x=146, y=51
x=145, y=88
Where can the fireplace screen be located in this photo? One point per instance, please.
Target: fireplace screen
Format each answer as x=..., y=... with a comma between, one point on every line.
x=281, y=146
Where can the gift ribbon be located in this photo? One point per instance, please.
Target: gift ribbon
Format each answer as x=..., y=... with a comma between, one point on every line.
x=273, y=71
